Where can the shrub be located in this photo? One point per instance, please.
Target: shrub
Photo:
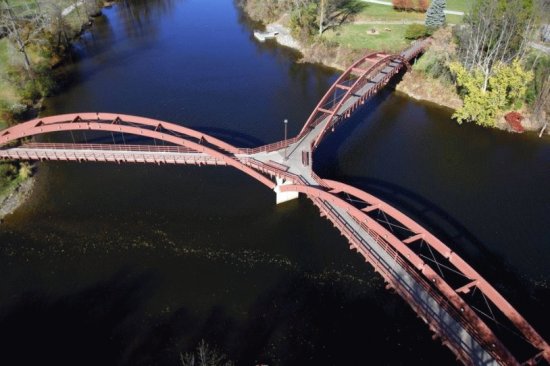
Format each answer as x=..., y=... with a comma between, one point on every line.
x=25, y=170
x=30, y=92
x=398, y=4
x=7, y=171
x=415, y=31
x=411, y=5
x=422, y=5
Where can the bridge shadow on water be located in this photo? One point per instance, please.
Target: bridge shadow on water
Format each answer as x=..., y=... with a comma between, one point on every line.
x=233, y=137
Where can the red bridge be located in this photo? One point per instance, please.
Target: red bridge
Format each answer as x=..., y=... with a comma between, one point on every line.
x=462, y=309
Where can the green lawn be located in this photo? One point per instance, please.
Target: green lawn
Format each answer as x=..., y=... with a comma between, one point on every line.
x=459, y=5
x=376, y=12
x=7, y=93
x=356, y=36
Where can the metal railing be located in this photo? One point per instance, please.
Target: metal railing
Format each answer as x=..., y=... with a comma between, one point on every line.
x=108, y=147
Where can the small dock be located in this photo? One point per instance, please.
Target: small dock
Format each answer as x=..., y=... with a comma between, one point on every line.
x=262, y=36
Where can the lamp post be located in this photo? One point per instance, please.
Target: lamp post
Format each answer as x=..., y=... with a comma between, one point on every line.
x=286, y=132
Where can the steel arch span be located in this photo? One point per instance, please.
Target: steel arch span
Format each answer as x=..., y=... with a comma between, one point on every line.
x=196, y=142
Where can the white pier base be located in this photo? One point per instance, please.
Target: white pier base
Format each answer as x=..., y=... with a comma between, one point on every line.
x=284, y=196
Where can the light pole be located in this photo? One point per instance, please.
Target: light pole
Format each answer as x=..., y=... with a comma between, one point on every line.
x=286, y=131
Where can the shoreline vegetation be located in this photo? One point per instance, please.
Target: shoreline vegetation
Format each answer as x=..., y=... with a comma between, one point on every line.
x=505, y=76
x=36, y=37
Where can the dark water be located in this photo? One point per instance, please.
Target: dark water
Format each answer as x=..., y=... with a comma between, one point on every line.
x=131, y=265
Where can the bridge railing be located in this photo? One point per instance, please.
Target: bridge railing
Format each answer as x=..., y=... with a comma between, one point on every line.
x=109, y=156
x=108, y=147
x=270, y=147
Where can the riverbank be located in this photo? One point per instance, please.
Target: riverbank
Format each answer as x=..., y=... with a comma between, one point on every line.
x=318, y=52
x=416, y=84
x=421, y=87
x=22, y=95
x=14, y=197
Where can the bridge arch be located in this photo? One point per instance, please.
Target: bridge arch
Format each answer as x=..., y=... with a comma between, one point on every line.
x=133, y=125
x=341, y=99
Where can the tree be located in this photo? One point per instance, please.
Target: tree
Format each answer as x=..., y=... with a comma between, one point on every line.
x=9, y=21
x=322, y=14
x=494, y=32
x=332, y=13
x=435, y=16
x=303, y=20
x=505, y=89
x=204, y=356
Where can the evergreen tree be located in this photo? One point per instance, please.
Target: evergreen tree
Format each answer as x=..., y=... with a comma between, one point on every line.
x=435, y=16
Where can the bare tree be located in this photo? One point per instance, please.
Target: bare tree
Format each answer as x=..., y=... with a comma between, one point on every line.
x=58, y=26
x=322, y=11
x=204, y=356
x=22, y=30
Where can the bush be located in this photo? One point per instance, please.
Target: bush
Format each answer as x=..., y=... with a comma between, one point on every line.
x=416, y=31
x=484, y=101
x=25, y=170
x=30, y=92
x=303, y=21
x=8, y=171
x=410, y=5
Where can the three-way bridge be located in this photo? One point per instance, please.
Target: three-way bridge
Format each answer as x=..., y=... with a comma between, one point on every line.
x=457, y=303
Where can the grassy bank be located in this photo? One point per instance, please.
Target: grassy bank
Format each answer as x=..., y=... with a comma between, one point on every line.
x=47, y=28
x=390, y=37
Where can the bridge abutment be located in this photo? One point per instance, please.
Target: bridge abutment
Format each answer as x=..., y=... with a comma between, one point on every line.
x=283, y=197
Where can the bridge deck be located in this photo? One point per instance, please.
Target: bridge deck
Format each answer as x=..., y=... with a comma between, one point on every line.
x=121, y=155
x=410, y=287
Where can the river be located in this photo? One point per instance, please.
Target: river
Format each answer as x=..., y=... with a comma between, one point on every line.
x=134, y=264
